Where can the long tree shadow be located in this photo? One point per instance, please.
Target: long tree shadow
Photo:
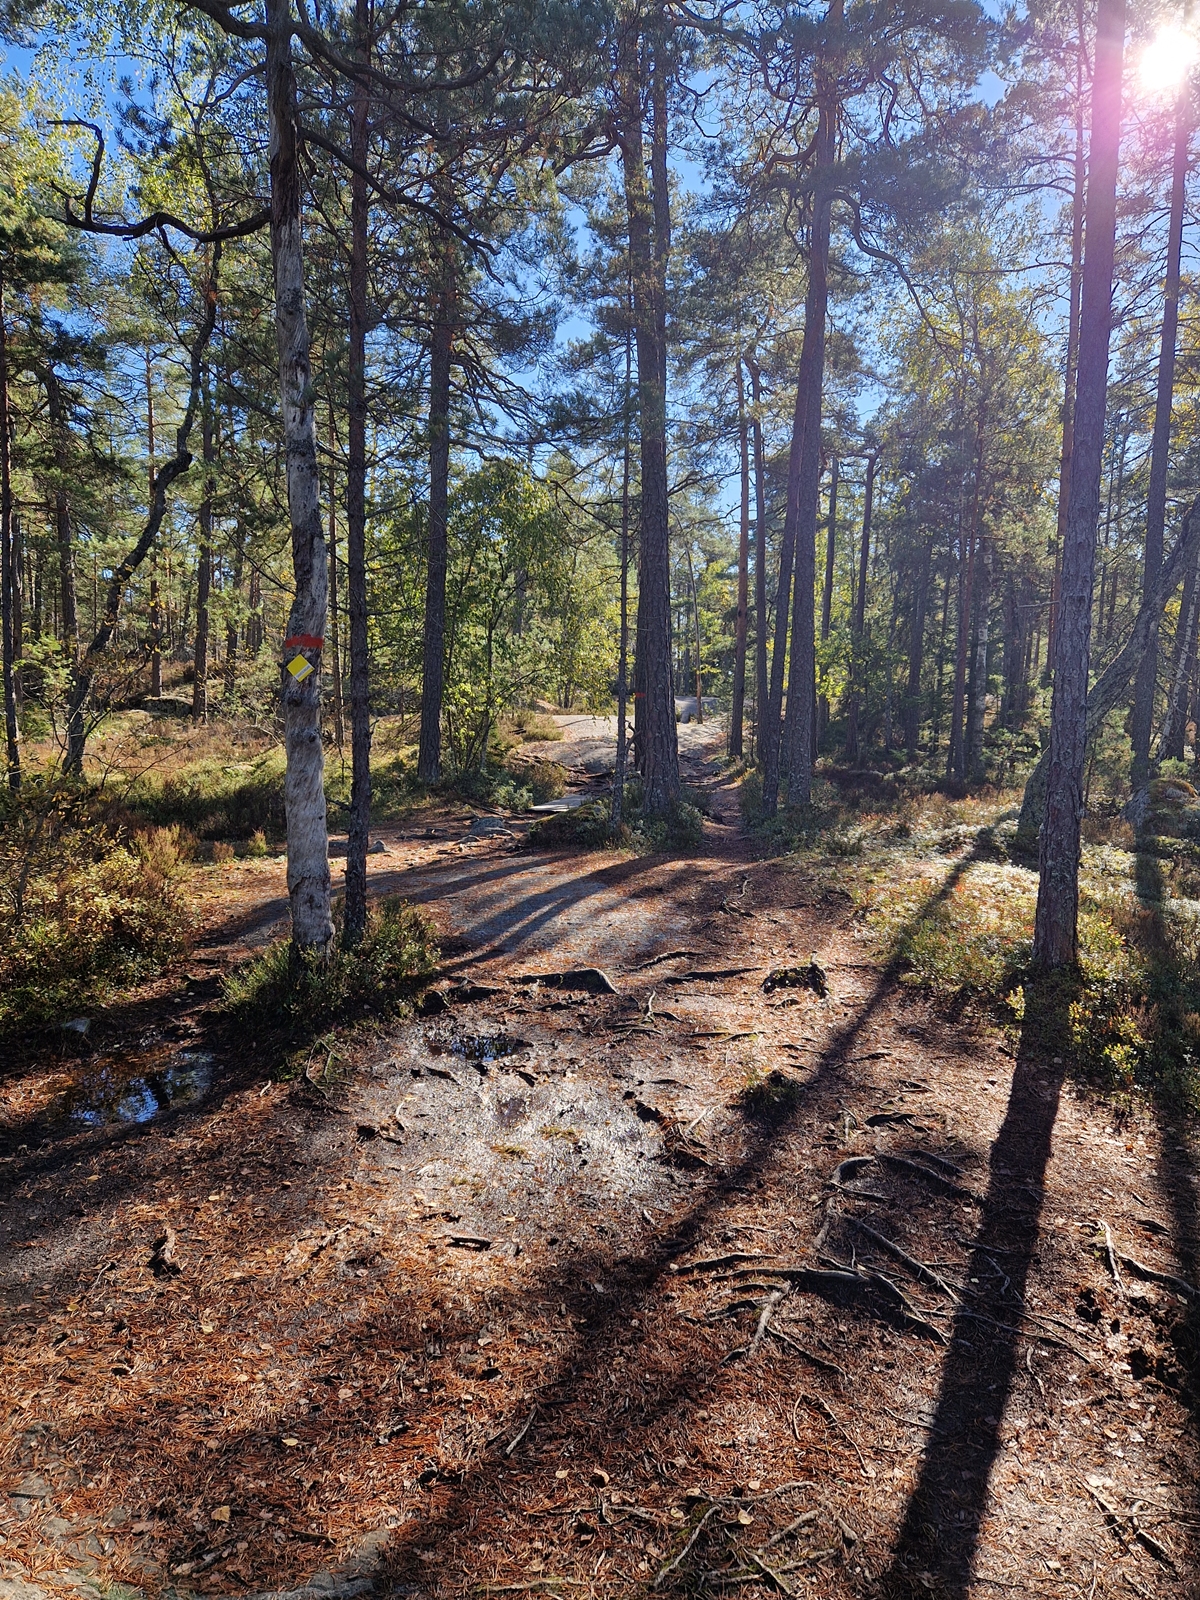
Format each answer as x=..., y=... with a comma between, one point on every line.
x=633, y=1276
x=936, y=1547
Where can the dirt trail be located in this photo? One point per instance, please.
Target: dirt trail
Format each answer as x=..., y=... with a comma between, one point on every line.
x=694, y=1287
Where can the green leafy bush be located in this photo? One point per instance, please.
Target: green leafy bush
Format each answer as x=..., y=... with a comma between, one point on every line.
x=300, y=992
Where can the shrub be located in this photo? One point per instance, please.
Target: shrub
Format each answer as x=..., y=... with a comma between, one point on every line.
x=534, y=727
x=301, y=992
x=83, y=910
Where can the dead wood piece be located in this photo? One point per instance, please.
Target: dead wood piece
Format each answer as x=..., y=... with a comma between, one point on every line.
x=585, y=980
x=668, y=955
x=709, y=975
x=812, y=976
x=944, y=1184
x=513, y=1443
x=664, y=1572
x=468, y=1241
x=162, y=1258
x=884, y=1119
x=717, y=1263
x=801, y=1521
x=1152, y=1275
x=1117, y=1520
x=764, y=1320
x=1111, y=1255
x=918, y=1268
x=770, y=1573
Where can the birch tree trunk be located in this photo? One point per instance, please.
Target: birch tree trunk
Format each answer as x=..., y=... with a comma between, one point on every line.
x=1055, y=939
x=304, y=790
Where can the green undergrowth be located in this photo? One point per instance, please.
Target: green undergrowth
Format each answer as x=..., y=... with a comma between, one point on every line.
x=941, y=893
x=298, y=993
x=87, y=904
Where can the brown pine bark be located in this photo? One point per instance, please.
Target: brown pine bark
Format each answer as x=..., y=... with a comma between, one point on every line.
x=356, y=503
x=857, y=664
x=760, y=554
x=1156, y=493
x=204, y=569
x=304, y=791
x=156, y=628
x=8, y=579
x=743, y=584
x=1055, y=940
x=792, y=745
x=647, y=207
x=433, y=670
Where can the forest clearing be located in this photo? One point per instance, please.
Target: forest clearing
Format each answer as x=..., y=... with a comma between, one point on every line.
x=599, y=845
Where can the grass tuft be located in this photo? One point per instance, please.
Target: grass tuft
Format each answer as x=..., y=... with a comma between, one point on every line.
x=300, y=992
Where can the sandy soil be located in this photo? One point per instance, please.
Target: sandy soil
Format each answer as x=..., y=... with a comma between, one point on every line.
x=701, y=1286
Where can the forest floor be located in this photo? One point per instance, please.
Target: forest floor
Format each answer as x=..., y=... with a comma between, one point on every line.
x=700, y=1286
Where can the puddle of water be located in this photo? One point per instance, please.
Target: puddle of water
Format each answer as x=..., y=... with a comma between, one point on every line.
x=129, y=1092
x=478, y=1048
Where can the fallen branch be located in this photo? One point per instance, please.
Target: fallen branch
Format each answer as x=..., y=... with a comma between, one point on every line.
x=663, y=1572
x=1111, y=1254
x=513, y=1443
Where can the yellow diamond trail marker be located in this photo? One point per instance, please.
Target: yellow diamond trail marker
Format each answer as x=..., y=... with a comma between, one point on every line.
x=300, y=668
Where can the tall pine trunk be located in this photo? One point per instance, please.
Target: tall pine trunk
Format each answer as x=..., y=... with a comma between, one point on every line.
x=859, y=627
x=1078, y=204
x=156, y=621
x=977, y=686
x=64, y=533
x=916, y=652
x=356, y=505
x=441, y=352
x=760, y=555
x=743, y=584
x=827, y=587
x=304, y=790
x=1055, y=939
x=8, y=577
x=793, y=744
x=647, y=206
x=204, y=569
x=1156, y=494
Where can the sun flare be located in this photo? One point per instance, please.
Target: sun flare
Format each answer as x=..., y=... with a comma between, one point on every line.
x=1167, y=59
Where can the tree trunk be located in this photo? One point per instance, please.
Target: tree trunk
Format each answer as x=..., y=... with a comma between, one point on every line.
x=204, y=570
x=977, y=688
x=7, y=565
x=916, y=654
x=156, y=628
x=857, y=663
x=1172, y=734
x=760, y=557
x=1055, y=940
x=1078, y=202
x=68, y=603
x=433, y=670
x=356, y=505
x=304, y=791
x=743, y=587
x=1156, y=494
x=106, y=624
x=618, y=794
x=827, y=590
x=649, y=247
x=232, y=632
x=1114, y=681
x=956, y=758
x=335, y=629
x=799, y=526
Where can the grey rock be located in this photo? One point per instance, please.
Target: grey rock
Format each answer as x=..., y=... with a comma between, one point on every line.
x=117, y=1517
x=31, y=1487
x=57, y=1527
